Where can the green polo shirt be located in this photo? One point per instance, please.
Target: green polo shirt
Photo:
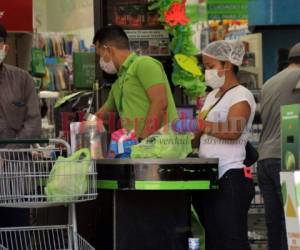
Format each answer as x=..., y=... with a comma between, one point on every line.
x=128, y=95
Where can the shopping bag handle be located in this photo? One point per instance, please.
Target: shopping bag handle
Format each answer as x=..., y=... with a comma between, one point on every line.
x=85, y=152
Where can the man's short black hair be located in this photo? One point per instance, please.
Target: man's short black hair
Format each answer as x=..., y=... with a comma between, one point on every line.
x=294, y=60
x=112, y=34
x=3, y=33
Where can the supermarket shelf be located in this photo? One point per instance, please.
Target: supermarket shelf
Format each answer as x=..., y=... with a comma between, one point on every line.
x=256, y=209
x=261, y=206
x=49, y=94
x=259, y=241
x=254, y=70
x=256, y=92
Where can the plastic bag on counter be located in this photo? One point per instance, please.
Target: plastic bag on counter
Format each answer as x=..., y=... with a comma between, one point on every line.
x=121, y=143
x=68, y=179
x=89, y=134
x=164, y=145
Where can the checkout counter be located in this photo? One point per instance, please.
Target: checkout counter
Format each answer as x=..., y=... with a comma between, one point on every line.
x=145, y=204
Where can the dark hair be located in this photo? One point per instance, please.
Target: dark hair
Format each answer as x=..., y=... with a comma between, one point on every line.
x=113, y=34
x=3, y=33
x=294, y=60
x=235, y=69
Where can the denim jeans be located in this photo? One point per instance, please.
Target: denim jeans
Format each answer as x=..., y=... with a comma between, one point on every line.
x=269, y=184
x=224, y=212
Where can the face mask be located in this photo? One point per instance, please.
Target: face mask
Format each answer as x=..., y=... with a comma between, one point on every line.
x=213, y=80
x=109, y=67
x=2, y=54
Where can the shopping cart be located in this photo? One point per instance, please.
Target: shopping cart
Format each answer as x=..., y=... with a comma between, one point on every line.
x=24, y=173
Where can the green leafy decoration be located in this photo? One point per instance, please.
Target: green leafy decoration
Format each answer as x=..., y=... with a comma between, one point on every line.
x=182, y=43
x=193, y=86
x=193, y=12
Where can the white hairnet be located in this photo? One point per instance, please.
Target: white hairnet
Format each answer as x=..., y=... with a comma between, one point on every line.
x=232, y=51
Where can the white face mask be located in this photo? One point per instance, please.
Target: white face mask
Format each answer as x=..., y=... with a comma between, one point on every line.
x=213, y=80
x=109, y=67
x=2, y=54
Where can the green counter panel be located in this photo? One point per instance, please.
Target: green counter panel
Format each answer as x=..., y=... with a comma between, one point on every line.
x=157, y=174
x=107, y=184
x=172, y=185
x=158, y=185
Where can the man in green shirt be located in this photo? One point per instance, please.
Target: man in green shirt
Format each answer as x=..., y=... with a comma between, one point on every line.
x=141, y=94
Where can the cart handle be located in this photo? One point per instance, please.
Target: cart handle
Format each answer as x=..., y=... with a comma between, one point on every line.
x=35, y=141
x=24, y=141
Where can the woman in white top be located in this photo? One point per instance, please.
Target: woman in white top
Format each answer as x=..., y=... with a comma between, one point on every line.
x=224, y=133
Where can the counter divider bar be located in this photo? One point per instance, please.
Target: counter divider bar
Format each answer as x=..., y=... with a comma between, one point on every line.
x=158, y=185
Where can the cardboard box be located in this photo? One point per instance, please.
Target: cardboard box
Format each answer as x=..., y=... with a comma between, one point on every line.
x=290, y=128
x=290, y=185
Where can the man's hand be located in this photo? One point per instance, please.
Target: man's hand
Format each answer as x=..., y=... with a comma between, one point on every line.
x=158, y=106
x=103, y=113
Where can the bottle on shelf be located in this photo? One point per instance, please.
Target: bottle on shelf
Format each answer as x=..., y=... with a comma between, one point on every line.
x=194, y=244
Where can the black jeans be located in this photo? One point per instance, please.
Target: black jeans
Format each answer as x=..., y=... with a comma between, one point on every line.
x=224, y=212
x=269, y=184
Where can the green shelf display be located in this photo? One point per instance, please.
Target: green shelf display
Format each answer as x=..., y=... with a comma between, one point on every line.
x=84, y=64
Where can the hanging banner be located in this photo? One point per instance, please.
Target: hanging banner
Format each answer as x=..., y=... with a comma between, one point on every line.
x=16, y=15
x=149, y=42
x=227, y=9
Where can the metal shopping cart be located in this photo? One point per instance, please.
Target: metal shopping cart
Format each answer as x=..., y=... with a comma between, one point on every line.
x=24, y=174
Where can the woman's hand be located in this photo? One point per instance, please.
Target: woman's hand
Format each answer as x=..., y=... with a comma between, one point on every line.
x=198, y=133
